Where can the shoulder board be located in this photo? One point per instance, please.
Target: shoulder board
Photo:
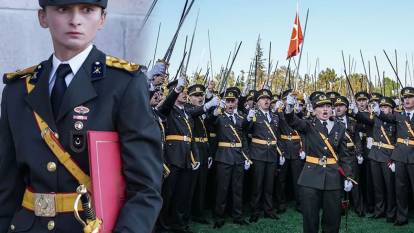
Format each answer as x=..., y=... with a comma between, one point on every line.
x=18, y=74
x=122, y=64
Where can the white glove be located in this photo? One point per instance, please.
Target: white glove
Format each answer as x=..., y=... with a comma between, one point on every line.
x=180, y=84
x=353, y=107
x=282, y=160
x=348, y=185
x=375, y=108
x=246, y=165
x=309, y=107
x=210, y=162
x=247, y=107
x=251, y=114
x=290, y=100
x=369, y=143
x=302, y=155
x=397, y=102
x=195, y=166
x=391, y=166
x=222, y=104
x=360, y=159
x=212, y=103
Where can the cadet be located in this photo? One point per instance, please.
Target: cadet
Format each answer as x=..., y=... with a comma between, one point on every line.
x=402, y=156
x=354, y=145
x=380, y=156
x=230, y=160
x=79, y=88
x=264, y=128
x=320, y=180
x=199, y=182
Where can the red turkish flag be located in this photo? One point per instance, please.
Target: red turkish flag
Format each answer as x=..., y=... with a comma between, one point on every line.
x=296, y=38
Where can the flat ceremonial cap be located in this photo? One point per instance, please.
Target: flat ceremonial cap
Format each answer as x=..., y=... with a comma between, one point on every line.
x=407, y=92
x=264, y=93
x=341, y=100
x=196, y=89
x=375, y=96
x=321, y=100
x=387, y=101
x=101, y=3
x=362, y=95
x=230, y=93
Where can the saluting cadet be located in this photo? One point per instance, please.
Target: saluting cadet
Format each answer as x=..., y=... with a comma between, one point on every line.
x=293, y=154
x=46, y=111
x=181, y=157
x=263, y=126
x=365, y=133
x=354, y=146
x=199, y=182
x=320, y=180
x=230, y=160
x=403, y=155
x=384, y=139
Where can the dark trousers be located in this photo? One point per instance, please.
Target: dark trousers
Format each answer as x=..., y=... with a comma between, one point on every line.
x=229, y=177
x=263, y=181
x=176, y=195
x=313, y=200
x=292, y=168
x=384, y=189
x=404, y=178
x=367, y=185
x=198, y=188
x=356, y=192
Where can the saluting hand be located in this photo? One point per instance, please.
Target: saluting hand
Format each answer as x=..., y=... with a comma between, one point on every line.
x=251, y=114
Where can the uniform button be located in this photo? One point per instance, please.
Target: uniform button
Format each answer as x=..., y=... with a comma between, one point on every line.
x=12, y=227
x=325, y=148
x=51, y=225
x=56, y=135
x=51, y=166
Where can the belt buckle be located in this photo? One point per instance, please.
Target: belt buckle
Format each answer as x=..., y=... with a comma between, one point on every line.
x=380, y=144
x=406, y=141
x=323, y=161
x=185, y=138
x=290, y=137
x=269, y=142
x=45, y=204
x=232, y=144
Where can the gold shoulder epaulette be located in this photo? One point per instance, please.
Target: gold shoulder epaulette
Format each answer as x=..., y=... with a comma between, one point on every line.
x=8, y=77
x=121, y=64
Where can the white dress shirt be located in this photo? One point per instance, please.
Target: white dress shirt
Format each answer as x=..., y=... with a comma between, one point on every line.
x=329, y=125
x=75, y=64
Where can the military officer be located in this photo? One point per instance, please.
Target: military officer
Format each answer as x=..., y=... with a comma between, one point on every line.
x=46, y=111
x=264, y=128
x=354, y=146
x=402, y=156
x=198, y=185
x=384, y=139
x=292, y=146
x=230, y=160
x=365, y=133
x=320, y=180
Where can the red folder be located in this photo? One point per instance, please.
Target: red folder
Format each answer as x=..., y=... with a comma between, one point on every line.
x=108, y=184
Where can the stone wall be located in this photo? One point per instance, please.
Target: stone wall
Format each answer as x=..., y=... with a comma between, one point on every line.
x=23, y=43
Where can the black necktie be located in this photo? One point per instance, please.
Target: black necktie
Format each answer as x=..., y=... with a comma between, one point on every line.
x=325, y=124
x=232, y=119
x=59, y=88
x=267, y=117
x=409, y=115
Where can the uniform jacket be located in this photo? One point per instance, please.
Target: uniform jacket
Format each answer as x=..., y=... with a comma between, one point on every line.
x=117, y=101
x=180, y=122
x=376, y=153
x=291, y=148
x=258, y=129
x=402, y=152
x=231, y=156
x=315, y=175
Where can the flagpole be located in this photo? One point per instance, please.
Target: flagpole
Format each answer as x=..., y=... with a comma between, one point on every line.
x=303, y=42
